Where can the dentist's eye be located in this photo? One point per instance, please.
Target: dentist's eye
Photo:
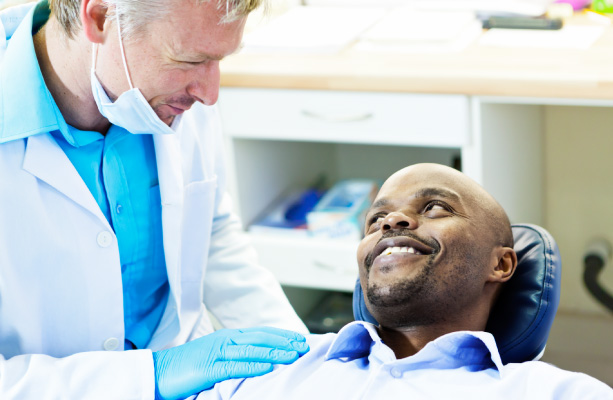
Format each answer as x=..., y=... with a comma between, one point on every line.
x=193, y=63
x=188, y=63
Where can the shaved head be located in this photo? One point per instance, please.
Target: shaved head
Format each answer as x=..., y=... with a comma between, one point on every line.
x=495, y=218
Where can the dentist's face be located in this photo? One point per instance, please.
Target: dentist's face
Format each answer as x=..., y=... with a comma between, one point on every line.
x=175, y=61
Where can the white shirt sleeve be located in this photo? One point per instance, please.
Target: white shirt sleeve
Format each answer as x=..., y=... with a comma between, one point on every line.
x=544, y=380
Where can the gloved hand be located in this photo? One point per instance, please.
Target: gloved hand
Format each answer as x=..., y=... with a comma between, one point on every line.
x=228, y=353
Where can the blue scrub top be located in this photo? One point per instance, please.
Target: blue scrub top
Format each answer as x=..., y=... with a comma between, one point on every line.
x=119, y=169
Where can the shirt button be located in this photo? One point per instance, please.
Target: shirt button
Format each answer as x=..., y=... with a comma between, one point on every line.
x=104, y=239
x=118, y=209
x=396, y=373
x=110, y=344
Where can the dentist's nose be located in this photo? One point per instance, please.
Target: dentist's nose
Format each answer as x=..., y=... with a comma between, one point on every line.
x=398, y=220
x=205, y=88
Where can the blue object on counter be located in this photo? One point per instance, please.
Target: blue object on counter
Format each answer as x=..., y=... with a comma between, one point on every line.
x=340, y=212
x=287, y=215
x=298, y=210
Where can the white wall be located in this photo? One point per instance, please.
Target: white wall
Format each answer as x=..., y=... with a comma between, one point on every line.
x=579, y=207
x=579, y=192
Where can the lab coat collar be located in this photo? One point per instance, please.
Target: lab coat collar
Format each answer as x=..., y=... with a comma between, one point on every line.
x=10, y=18
x=46, y=160
x=21, y=78
x=456, y=349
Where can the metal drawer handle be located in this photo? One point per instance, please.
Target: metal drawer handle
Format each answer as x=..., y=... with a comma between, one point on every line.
x=337, y=117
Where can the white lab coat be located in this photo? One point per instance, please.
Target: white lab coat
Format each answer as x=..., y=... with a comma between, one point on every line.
x=61, y=307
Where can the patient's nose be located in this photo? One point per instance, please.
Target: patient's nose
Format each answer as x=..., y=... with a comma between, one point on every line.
x=398, y=220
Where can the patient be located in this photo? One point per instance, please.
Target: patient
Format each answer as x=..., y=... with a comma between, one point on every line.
x=436, y=251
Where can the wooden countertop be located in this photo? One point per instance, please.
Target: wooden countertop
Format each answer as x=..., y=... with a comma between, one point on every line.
x=478, y=70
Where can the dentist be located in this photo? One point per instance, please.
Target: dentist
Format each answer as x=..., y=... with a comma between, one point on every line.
x=115, y=230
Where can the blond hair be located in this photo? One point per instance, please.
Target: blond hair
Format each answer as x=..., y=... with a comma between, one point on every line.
x=136, y=14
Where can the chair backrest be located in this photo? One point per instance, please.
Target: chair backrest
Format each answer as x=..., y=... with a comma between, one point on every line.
x=523, y=314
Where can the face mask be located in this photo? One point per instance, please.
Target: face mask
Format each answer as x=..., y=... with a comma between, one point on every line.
x=130, y=111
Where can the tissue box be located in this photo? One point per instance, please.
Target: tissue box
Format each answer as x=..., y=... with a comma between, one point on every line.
x=340, y=212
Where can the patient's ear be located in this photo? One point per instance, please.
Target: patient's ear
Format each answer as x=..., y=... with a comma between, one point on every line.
x=506, y=261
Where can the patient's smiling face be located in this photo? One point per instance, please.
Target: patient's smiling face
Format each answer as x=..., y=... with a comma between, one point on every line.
x=426, y=248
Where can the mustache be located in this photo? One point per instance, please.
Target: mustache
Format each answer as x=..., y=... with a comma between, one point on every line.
x=406, y=233
x=183, y=101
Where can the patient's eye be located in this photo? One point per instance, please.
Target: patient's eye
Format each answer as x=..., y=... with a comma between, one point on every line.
x=374, y=223
x=437, y=208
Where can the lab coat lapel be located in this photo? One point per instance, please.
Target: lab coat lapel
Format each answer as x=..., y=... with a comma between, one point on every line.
x=170, y=175
x=46, y=160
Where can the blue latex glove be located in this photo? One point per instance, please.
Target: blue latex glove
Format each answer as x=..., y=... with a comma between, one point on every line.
x=228, y=353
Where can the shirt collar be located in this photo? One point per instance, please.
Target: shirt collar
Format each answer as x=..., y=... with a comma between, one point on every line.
x=354, y=340
x=26, y=105
x=475, y=350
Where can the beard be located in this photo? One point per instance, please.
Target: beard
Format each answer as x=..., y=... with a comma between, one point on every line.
x=405, y=291
x=400, y=303
x=428, y=297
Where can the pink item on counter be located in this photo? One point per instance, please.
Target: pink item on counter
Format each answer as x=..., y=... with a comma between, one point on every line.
x=577, y=4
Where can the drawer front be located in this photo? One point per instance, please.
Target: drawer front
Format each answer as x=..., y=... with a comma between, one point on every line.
x=346, y=117
x=306, y=262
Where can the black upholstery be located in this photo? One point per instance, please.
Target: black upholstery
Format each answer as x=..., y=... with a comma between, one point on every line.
x=524, y=312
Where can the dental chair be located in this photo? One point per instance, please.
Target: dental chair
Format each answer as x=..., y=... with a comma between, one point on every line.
x=522, y=316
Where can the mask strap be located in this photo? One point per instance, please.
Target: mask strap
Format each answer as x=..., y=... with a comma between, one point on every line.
x=123, y=56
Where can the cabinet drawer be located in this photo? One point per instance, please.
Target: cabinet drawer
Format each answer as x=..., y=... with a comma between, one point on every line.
x=349, y=117
x=309, y=262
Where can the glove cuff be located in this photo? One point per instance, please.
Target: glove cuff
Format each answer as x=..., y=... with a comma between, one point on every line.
x=158, y=396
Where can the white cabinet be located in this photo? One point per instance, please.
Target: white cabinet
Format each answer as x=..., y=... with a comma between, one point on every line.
x=278, y=140
x=346, y=117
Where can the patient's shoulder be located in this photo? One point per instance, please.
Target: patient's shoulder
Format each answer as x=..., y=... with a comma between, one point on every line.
x=320, y=341
x=561, y=383
x=258, y=387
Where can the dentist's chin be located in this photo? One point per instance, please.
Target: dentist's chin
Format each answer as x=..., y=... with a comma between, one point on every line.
x=168, y=120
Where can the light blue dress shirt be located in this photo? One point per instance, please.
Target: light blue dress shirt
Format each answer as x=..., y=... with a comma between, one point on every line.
x=118, y=168
x=356, y=364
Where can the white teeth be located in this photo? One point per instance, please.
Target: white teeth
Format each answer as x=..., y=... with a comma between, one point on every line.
x=392, y=250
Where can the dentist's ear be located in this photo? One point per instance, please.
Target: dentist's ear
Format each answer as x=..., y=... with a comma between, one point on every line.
x=505, y=266
x=93, y=18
